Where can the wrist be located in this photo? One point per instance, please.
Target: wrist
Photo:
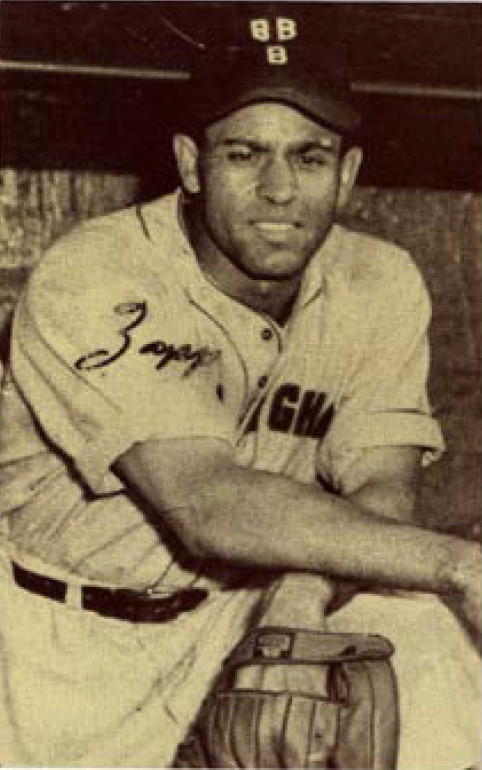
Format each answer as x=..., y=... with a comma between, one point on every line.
x=297, y=599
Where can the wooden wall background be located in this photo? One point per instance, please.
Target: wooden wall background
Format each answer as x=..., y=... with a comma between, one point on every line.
x=442, y=230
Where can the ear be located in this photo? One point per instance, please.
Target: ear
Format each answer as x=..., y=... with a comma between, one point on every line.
x=350, y=165
x=187, y=155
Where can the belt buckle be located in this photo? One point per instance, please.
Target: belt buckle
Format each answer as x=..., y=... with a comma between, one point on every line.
x=148, y=606
x=193, y=597
x=143, y=605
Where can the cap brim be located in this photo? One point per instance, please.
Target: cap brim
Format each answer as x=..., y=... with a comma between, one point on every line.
x=319, y=107
x=312, y=80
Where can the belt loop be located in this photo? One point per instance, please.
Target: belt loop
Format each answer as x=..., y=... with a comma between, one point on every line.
x=73, y=596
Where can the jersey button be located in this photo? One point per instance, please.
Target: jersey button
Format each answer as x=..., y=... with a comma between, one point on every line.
x=263, y=381
x=266, y=334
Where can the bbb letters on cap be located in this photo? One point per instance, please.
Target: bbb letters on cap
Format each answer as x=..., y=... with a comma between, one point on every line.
x=277, y=57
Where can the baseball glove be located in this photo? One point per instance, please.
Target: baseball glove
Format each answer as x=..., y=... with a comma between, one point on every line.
x=293, y=698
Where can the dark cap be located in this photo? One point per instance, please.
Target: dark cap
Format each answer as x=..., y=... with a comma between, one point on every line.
x=277, y=60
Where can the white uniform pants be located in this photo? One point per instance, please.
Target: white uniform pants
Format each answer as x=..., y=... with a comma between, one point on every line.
x=438, y=674
x=77, y=689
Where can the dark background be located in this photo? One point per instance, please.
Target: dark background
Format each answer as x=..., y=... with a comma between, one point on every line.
x=117, y=72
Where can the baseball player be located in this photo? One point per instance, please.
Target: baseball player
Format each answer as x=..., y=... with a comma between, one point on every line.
x=209, y=392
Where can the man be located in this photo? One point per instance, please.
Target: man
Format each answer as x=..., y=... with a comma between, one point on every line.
x=187, y=380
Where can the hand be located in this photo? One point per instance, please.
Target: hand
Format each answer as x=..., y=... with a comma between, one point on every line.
x=276, y=707
x=296, y=600
x=307, y=679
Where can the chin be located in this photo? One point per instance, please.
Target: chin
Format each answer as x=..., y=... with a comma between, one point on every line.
x=281, y=269
x=282, y=274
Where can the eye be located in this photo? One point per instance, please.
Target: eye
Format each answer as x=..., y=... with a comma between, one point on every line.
x=240, y=155
x=311, y=160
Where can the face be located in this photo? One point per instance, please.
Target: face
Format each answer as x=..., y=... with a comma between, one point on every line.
x=267, y=183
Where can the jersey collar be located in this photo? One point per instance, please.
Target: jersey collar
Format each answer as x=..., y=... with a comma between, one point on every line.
x=167, y=231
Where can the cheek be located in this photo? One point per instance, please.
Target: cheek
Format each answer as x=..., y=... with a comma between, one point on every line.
x=230, y=187
x=321, y=201
x=225, y=200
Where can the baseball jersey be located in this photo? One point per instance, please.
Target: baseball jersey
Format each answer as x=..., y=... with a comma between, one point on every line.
x=120, y=337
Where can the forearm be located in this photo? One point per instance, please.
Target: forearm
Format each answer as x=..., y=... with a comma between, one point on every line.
x=394, y=501
x=284, y=525
x=305, y=599
x=248, y=517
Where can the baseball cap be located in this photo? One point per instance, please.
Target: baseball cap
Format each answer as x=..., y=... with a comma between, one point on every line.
x=276, y=58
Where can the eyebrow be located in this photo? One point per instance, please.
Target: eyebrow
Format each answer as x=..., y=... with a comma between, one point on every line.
x=326, y=144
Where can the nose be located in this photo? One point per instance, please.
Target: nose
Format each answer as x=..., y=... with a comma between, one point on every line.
x=277, y=181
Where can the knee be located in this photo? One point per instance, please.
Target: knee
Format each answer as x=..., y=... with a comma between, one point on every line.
x=421, y=620
x=427, y=630
x=436, y=621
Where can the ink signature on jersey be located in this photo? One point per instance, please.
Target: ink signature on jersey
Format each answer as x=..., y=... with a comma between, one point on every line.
x=165, y=352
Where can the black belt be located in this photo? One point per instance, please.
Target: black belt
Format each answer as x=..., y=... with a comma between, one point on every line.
x=121, y=603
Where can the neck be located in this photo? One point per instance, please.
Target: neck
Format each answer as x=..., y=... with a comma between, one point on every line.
x=273, y=298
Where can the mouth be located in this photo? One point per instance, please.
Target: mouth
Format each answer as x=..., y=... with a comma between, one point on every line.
x=275, y=230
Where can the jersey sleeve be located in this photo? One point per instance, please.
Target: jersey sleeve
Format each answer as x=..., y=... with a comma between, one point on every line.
x=104, y=362
x=386, y=402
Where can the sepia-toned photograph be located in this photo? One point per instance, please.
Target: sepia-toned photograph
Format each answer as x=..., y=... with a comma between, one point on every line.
x=241, y=378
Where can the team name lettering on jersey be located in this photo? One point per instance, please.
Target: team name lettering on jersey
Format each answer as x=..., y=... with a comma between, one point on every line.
x=165, y=352
x=297, y=411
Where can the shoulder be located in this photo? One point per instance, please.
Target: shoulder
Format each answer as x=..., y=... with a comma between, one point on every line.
x=107, y=255
x=89, y=250
x=103, y=278
x=376, y=270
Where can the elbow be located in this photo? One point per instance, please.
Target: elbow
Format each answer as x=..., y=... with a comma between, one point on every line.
x=214, y=522
x=189, y=530
x=391, y=501
x=202, y=545
x=213, y=539
x=403, y=504
x=399, y=502
x=199, y=531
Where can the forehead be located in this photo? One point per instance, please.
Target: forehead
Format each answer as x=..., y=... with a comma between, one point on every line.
x=271, y=123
